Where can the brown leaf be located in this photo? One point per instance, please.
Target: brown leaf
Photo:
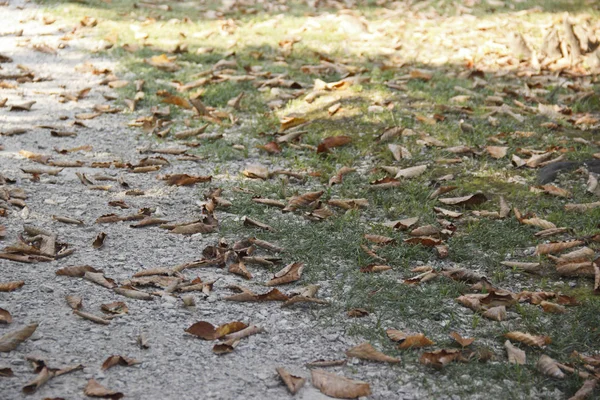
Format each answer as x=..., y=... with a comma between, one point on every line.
x=91, y=317
x=177, y=101
x=6, y=372
x=555, y=191
x=185, y=179
x=290, y=122
x=378, y=239
x=497, y=152
x=95, y=389
x=117, y=307
x=548, y=366
x=99, y=279
x=439, y=358
x=22, y=106
x=556, y=247
x=373, y=268
x=163, y=62
x=256, y=171
x=271, y=147
x=497, y=313
x=75, y=302
x=5, y=317
x=366, y=351
x=515, y=355
x=552, y=307
x=464, y=342
x=415, y=341
x=357, y=313
x=528, y=339
x=291, y=273
x=333, y=141
x=205, y=330
x=424, y=241
x=338, y=386
x=411, y=172
x=43, y=376
x=302, y=201
x=465, y=201
x=248, y=295
x=99, y=241
x=586, y=390
x=11, y=340
x=293, y=383
x=76, y=271
x=10, y=286
x=239, y=268
x=118, y=360
x=258, y=224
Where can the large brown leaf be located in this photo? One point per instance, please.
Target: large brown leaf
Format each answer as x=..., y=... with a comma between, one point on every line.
x=293, y=383
x=331, y=142
x=366, y=351
x=207, y=331
x=95, y=389
x=338, y=386
x=11, y=340
x=290, y=273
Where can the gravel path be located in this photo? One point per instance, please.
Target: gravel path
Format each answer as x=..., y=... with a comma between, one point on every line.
x=177, y=365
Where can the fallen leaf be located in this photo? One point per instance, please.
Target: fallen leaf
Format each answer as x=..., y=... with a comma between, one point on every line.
x=5, y=317
x=515, y=355
x=548, y=366
x=439, y=358
x=11, y=286
x=248, y=295
x=291, y=273
x=118, y=360
x=75, y=302
x=185, y=179
x=366, y=351
x=338, y=386
x=464, y=342
x=207, y=331
x=293, y=383
x=117, y=307
x=332, y=142
x=302, y=200
x=528, y=339
x=95, y=389
x=465, y=201
x=497, y=152
x=11, y=340
x=586, y=390
x=99, y=241
x=415, y=341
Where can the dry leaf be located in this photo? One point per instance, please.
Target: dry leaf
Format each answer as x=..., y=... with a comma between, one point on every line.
x=411, y=172
x=5, y=317
x=497, y=313
x=207, y=331
x=586, y=390
x=515, y=355
x=331, y=142
x=497, y=152
x=548, y=366
x=185, y=179
x=528, y=339
x=118, y=360
x=293, y=383
x=439, y=358
x=95, y=389
x=379, y=239
x=464, y=342
x=465, y=201
x=338, y=386
x=75, y=302
x=99, y=241
x=256, y=171
x=76, y=271
x=11, y=340
x=291, y=273
x=303, y=200
x=415, y=341
x=366, y=351
x=556, y=247
x=10, y=286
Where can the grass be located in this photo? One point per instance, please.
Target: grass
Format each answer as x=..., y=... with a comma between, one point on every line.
x=330, y=248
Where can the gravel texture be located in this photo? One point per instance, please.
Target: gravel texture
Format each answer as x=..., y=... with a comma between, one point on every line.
x=177, y=365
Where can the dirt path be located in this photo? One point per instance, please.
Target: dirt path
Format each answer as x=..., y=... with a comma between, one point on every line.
x=177, y=365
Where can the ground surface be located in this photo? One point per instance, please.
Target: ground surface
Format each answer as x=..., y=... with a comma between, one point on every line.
x=407, y=68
